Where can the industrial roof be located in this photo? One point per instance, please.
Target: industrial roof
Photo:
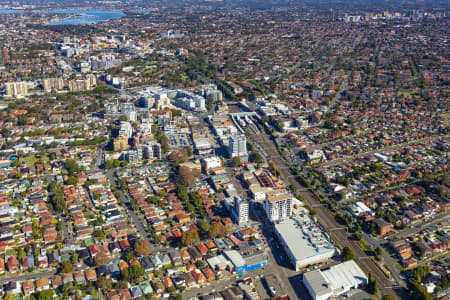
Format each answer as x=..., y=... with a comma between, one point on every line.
x=303, y=237
x=318, y=283
x=235, y=258
x=344, y=275
x=336, y=279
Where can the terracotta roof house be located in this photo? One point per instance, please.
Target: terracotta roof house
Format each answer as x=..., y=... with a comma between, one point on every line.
x=79, y=277
x=67, y=278
x=202, y=248
x=28, y=287
x=211, y=245
x=185, y=256
x=124, y=244
x=199, y=277
x=94, y=249
x=124, y=294
x=209, y=274
x=42, y=284
x=113, y=295
x=123, y=265
x=167, y=282
x=90, y=275
x=2, y=266
x=57, y=281
x=12, y=264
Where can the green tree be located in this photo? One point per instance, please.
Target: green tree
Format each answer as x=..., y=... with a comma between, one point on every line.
x=418, y=291
x=98, y=234
x=108, y=164
x=420, y=272
x=72, y=167
x=66, y=267
x=72, y=181
x=104, y=283
x=74, y=257
x=186, y=175
x=236, y=161
x=58, y=201
x=347, y=253
x=46, y=295
x=101, y=259
x=132, y=273
x=189, y=151
x=204, y=225
x=189, y=238
x=217, y=229
x=141, y=248
x=165, y=143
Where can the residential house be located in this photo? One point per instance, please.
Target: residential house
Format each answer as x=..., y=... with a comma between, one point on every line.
x=167, y=282
x=146, y=287
x=158, y=287
x=136, y=291
x=90, y=275
x=12, y=264
x=28, y=287
x=199, y=277
x=43, y=284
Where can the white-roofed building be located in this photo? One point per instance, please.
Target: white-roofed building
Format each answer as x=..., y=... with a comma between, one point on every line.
x=303, y=241
x=359, y=208
x=334, y=281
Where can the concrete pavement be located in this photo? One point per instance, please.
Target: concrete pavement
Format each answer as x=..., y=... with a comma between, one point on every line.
x=24, y=277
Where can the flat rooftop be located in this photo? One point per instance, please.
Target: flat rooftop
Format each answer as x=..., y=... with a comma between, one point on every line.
x=278, y=195
x=336, y=279
x=303, y=237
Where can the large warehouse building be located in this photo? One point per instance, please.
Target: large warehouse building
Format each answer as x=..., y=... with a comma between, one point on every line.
x=334, y=281
x=304, y=243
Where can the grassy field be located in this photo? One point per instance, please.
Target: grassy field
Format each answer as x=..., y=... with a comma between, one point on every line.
x=32, y=159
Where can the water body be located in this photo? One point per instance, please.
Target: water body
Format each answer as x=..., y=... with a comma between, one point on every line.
x=8, y=11
x=140, y=11
x=85, y=16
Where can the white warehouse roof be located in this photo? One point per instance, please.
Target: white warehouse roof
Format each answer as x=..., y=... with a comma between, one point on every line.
x=336, y=280
x=303, y=237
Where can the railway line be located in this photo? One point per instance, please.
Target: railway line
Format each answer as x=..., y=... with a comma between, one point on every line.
x=335, y=230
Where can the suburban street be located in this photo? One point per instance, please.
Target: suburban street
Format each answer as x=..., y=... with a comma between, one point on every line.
x=24, y=277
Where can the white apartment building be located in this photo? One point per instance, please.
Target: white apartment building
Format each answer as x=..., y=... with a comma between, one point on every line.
x=278, y=205
x=237, y=146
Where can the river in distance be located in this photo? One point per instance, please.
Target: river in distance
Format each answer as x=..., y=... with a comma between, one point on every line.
x=85, y=16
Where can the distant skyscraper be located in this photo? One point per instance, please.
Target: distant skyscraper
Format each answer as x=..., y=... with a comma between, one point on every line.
x=16, y=89
x=5, y=55
x=53, y=83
